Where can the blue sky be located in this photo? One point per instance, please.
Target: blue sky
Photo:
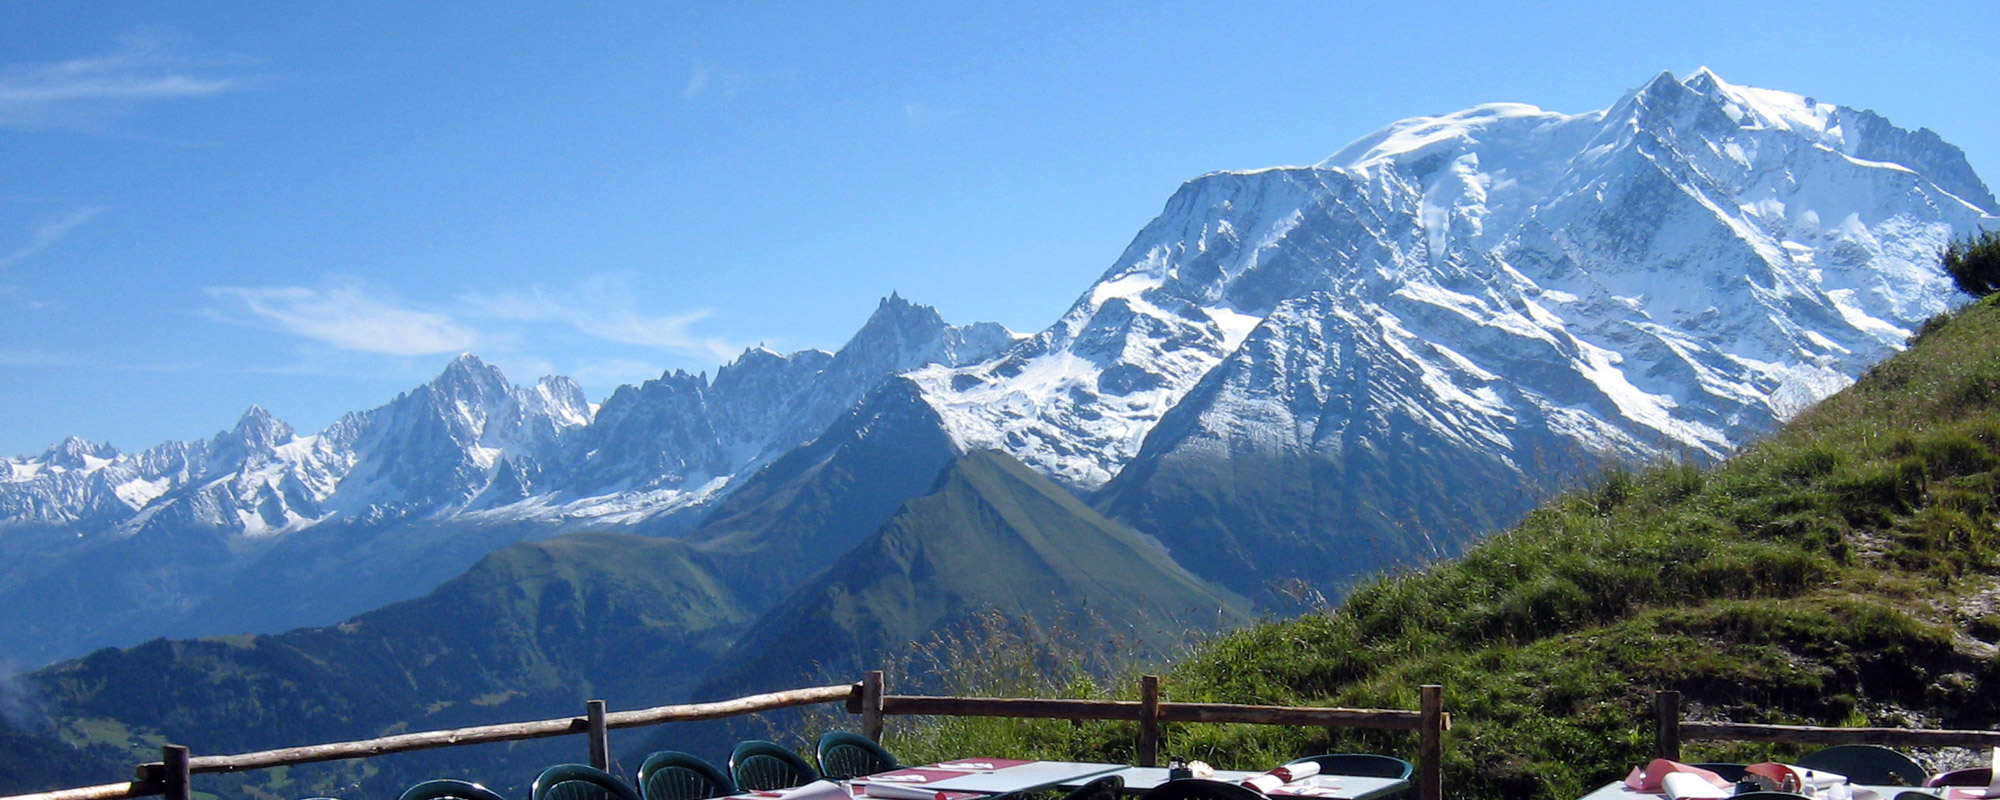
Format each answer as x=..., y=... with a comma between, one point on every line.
x=312, y=207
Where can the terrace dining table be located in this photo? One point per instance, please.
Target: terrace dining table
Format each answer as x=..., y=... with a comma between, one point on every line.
x=981, y=776
x=1335, y=787
x=966, y=779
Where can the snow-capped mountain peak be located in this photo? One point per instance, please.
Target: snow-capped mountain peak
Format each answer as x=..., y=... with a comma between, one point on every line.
x=1418, y=137
x=1688, y=267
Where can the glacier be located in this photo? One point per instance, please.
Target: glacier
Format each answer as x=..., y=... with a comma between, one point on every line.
x=1677, y=273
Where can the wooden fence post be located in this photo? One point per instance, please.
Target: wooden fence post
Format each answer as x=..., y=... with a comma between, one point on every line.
x=1149, y=721
x=1667, y=725
x=1430, y=743
x=600, y=736
x=871, y=704
x=174, y=774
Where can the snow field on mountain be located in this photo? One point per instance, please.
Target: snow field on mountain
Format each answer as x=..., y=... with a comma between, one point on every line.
x=1683, y=269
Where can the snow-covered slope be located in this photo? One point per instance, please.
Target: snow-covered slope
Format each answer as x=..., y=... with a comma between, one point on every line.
x=431, y=451
x=385, y=503
x=468, y=444
x=1678, y=272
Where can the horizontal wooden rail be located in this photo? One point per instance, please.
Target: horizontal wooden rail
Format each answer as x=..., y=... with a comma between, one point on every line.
x=696, y=712
x=1129, y=710
x=1809, y=734
x=914, y=705
x=1285, y=715
x=511, y=732
x=109, y=791
x=1670, y=730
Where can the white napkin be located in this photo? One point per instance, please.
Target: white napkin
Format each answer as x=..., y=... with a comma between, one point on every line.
x=1814, y=780
x=1682, y=785
x=1270, y=781
x=1993, y=783
x=898, y=791
x=817, y=790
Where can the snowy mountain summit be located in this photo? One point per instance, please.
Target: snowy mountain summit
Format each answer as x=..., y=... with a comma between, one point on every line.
x=1681, y=271
x=1297, y=374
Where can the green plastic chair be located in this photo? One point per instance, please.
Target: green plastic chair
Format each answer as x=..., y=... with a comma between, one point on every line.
x=1373, y=765
x=846, y=754
x=580, y=782
x=1968, y=776
x=1366, y=764
x=447, y=789
x=1867, y=763
x=1109, y=787
x=1201, y=789
x=674, y=775
x=761, y=766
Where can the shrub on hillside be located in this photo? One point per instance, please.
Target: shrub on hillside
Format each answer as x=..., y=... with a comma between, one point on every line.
x=1974, y=262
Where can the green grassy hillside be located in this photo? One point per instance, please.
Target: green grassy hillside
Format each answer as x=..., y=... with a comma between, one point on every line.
x=1842, y=572
x=794, y=517
x=992, y=536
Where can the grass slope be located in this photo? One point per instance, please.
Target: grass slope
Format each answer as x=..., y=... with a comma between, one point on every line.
x=795, y=516
x=992, y=536
x=1842, y=572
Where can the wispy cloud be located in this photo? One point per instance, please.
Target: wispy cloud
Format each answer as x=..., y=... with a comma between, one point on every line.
x=48, y=233
x=348, y=314
x=929, y=115
x=87, y=92
x=603, y=310
x=346, y=317
x=709, y=80
x=12, y=357
x=699, y=81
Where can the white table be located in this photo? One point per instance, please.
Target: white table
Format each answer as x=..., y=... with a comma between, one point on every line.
x=1333, y=787
x=1024, y=777
x=968, y=778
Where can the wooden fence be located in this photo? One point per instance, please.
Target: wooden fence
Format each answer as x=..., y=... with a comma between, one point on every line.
x=171, y=777
x=1670, y=730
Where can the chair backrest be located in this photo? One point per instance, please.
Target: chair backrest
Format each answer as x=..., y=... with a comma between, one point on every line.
x=1766, y=796
x=1732, y=771
x=761, y=766
x=1109, y=787
x=447, y=789
x=580, y=782
x=1867, y=763
x=1368, y=764
x=1969, y=776
x=846, y=754
x=1201, y=789
x=674, y=775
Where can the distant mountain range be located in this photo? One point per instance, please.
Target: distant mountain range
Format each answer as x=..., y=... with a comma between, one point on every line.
x=1292, y=378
